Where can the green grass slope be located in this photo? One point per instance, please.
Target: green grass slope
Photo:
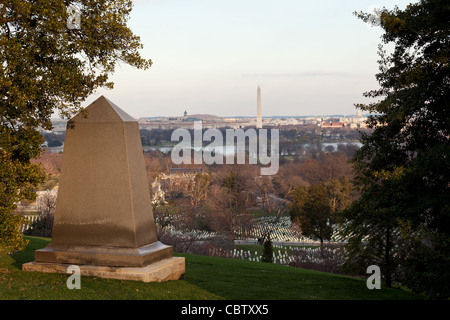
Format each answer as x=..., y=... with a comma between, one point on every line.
x=207, y=278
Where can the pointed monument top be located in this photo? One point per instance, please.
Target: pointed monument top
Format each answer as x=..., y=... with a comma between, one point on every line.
x=103, y=110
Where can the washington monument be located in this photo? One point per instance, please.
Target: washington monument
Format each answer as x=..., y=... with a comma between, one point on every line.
x=258, y=110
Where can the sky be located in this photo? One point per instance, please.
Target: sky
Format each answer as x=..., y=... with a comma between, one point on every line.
x=209, y=57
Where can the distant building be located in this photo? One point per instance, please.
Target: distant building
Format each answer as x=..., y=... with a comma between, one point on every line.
x=332, y=124
x=358, y=114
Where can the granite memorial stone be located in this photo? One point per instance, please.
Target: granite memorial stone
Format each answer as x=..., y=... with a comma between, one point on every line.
x=103, y=219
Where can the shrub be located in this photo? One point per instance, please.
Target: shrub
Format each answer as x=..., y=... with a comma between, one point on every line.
x=267, y=254
x=11, y=238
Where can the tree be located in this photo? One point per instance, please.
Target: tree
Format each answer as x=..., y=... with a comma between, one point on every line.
x=267, y=254
x=263, y=188
x=339, y=193
x=310, y=208
x=403, y=167
x=236, y=189
x=373, y=238
x=198, y=188
x=230, y=199
x=43, y=225
x=48, y=63
x=325, y=167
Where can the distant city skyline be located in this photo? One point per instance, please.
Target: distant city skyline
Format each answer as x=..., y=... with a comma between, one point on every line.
x=309, y=58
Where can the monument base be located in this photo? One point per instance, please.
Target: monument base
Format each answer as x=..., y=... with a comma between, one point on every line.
x=164, y=270
x=103, y=255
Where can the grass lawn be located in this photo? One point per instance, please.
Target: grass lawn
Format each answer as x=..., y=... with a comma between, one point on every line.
x=207, y=278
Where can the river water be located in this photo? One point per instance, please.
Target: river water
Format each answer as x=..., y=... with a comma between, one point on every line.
x=226, y=150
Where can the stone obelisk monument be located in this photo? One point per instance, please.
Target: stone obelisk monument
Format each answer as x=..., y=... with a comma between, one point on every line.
x=103, y=220
x=258, y=109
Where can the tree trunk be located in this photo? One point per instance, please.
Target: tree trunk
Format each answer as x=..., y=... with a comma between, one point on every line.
x=388, y=276
x=321, y=247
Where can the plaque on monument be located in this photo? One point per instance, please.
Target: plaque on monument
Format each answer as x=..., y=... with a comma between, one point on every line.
x=103, y=219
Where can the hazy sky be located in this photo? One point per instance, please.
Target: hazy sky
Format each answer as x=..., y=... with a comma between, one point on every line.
x=209, y=56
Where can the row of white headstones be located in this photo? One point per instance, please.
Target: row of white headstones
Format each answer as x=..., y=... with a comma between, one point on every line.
x=284, y=255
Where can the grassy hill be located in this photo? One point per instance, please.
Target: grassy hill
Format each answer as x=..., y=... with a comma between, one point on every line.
x=207, y=278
